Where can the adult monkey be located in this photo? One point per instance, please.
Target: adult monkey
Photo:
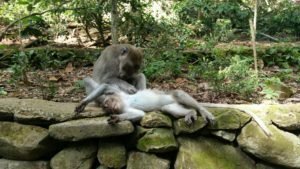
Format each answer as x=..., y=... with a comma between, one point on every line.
x=118, y=66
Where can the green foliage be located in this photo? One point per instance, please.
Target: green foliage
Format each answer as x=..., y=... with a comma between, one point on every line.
x=269, y=91
x=282, y=17
x=2, y=92
x=205, y=13
x=233, y=77
x=164, y=64
x=283, y=56
x=20, y=66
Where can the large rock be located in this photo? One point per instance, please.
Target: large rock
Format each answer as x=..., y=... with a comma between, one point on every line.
x=79, y=156
x=285, y=116
x=228, y=119
x=139, y=160
x=157, y=140
x=41, y=112
x=180, y=126
x=281, y=148
x=111, y=154
x=24, y=142
x=154, y=119
x=206, y=153
x=11, y=164
x=89, y=128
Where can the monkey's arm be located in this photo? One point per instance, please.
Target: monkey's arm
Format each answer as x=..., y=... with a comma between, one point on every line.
x=122, y=84
x=101, y=89
x=128, y=114
x=261, y=124
x=140, y=81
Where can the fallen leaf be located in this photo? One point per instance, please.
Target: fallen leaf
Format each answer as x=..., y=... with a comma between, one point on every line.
x=69, y=68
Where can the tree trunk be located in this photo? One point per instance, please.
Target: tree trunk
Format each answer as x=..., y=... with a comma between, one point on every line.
x=114, y=21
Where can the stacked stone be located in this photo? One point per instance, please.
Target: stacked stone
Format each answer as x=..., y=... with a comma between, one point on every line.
x=37, y=134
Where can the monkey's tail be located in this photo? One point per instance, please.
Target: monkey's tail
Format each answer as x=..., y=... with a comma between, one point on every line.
x=258, y=120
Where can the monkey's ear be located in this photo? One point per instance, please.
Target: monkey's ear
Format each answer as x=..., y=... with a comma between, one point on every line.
x=124, y=50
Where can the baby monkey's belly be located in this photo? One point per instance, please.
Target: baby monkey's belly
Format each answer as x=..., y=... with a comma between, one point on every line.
x=149, y=100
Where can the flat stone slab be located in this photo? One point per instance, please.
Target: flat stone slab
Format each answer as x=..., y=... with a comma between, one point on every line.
x=11, y=164
x=75, y=130
x=139, y=160
x=24, y=142
x=36, y=111
x=155, y=119
x=207, y=153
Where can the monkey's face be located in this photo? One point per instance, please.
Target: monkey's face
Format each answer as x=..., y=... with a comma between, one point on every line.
x=113, y=104
x=130, y=63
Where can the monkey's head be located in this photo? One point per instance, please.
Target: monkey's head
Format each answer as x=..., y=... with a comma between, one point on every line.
x=113, y=104
x=131, y=60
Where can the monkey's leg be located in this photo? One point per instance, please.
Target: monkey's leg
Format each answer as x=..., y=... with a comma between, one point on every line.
x=187, y=100
x=129, y=114
x=178, y=110
x=92, y=97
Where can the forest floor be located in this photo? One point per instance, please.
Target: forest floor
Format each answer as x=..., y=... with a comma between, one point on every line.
x=65, y=85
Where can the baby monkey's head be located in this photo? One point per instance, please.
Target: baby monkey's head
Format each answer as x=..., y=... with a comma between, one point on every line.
x=113, y=104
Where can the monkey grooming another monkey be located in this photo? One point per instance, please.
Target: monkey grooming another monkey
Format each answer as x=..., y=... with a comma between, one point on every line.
x=118, y=66
x=133, y=106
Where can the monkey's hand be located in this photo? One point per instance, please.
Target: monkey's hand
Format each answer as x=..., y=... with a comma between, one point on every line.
x=80, y=107
x=113, y=119
x=190, y=117
x=130, y=89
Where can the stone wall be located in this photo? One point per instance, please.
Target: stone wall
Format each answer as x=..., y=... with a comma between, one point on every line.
x=38, y=134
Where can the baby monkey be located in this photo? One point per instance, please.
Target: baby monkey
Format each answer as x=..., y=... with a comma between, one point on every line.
x=134, y=106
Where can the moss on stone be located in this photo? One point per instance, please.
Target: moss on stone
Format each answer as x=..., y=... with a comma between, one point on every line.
x=180, y=126
x=156, y=119
x=206, y=153
x=228, y=119
x=111, y=154
x=157, y=140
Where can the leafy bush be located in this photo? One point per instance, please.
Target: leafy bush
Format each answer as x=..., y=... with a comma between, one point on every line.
x=235, y=77
x=164, y=65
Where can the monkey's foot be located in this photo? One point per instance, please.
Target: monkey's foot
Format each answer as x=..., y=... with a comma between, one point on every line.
x=80, y=107
x=209, y=118
x=190, y=117
x=113, y=119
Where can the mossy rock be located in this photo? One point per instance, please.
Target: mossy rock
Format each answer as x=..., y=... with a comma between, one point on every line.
x=285, y=116
x=111, y=154
x=139, y=160
x=228, y=119
x=157, y=140
x=180, y=126
x=207, y=153
x=79, y=155
x=24, y=142
x=156, y=119
x=282, y=148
